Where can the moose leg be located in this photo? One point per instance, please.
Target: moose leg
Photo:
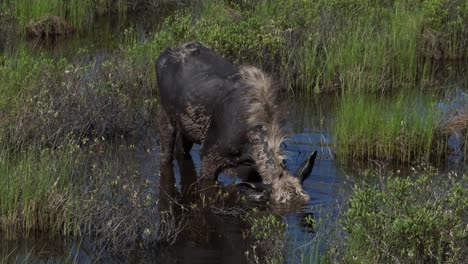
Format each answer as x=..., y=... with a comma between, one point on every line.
x=183, y=147
x=188, y=174
x=248, y=173
x=212, y=163
x=167, y=137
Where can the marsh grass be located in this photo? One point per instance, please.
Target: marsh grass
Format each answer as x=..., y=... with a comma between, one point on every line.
x=414, y=217
x=80, y=13
x=402, y=128
x=317, y=46
x=373, y=51
x=36, y=190
x=370, y=59
x=75, y=12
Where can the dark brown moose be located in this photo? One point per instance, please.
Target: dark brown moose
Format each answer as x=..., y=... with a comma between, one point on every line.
x=234, y=113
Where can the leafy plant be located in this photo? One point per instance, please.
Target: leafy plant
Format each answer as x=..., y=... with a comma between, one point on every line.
x=408, y=220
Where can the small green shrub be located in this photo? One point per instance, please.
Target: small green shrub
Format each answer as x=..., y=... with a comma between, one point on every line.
x=445, y=29
x=270, y=238
x=408, y=220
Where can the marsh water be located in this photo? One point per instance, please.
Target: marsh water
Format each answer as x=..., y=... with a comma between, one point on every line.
x=222, y=239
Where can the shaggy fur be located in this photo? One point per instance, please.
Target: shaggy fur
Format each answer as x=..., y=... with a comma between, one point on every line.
x=288, y=188
x=264, y=108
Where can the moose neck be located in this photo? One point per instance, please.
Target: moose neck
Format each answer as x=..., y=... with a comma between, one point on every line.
x=267, y=160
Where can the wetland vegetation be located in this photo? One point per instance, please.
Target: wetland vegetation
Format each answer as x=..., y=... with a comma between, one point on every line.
x=76, y=129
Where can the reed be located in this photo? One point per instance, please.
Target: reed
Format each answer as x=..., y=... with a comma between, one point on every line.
x=35, y=193
x=400, y=128
x=79, y=13
x=75, y=12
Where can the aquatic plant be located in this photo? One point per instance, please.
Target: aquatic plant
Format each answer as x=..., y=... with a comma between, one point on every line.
x=270, y=239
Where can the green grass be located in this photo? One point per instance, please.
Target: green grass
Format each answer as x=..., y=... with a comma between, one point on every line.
x=19, y=73
x=35, y=193
x=370, y=59
x=310, y=46
x=75, y=12
x=402, y=128
x=79, y=13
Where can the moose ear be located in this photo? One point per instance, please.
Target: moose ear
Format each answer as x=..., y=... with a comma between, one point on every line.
x=306, y=168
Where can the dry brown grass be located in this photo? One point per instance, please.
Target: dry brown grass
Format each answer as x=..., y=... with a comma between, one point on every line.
x=456, y=123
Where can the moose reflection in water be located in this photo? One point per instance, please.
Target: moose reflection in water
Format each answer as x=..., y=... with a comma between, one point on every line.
x=234, y=113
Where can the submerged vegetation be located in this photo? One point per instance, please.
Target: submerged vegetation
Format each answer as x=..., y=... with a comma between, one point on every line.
x=66, y=123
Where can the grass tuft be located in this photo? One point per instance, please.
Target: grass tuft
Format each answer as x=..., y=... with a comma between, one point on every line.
x=402, y=128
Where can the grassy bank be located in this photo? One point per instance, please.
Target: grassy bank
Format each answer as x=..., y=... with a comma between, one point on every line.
x=404, y=128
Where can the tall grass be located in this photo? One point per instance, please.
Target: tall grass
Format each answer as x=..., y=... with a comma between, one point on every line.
x=375, y=50
x=35, y=193
x=79, y=13
x=376, y=57
x=400, y=128
x=76, y=12
x=315, y=46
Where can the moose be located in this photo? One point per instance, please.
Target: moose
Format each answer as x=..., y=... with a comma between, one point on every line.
x=235, y=113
